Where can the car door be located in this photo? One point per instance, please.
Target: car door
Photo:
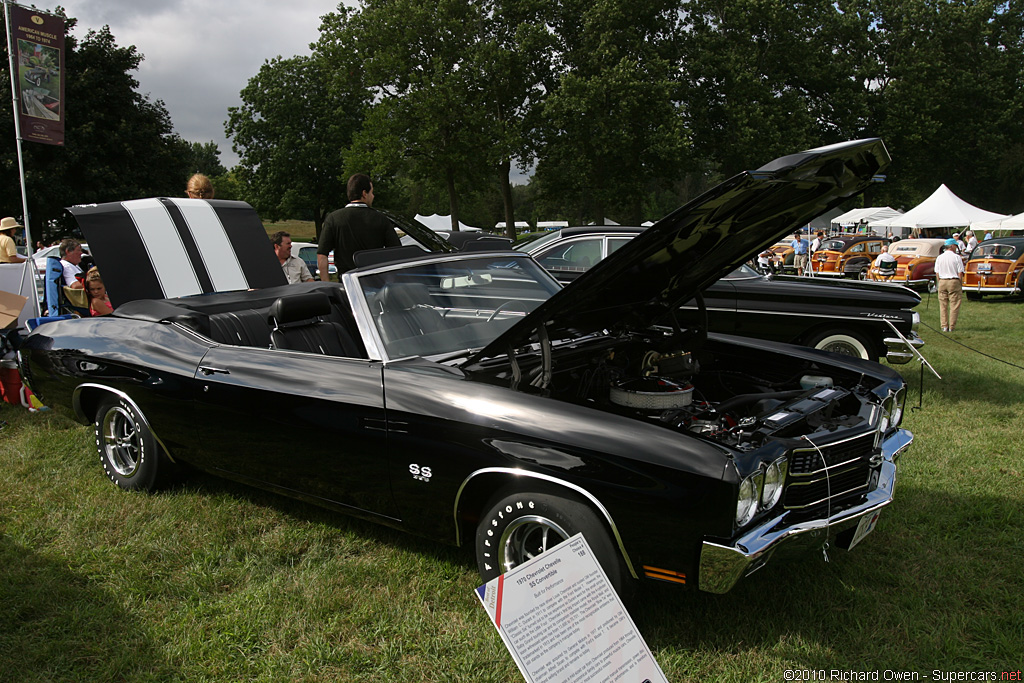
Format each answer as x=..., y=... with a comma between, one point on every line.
x=569, y=259
x=298, y=422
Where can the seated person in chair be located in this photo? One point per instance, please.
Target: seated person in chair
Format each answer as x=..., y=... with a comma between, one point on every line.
x=886, y=262
x=71, y=259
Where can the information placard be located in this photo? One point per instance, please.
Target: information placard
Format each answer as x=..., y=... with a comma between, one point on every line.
x=562, y=621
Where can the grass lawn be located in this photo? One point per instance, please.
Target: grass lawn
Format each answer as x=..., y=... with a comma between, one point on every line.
x=301, y=231
x=216, y=582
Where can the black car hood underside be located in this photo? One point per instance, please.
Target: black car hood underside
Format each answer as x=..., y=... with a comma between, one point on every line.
x=669, y=263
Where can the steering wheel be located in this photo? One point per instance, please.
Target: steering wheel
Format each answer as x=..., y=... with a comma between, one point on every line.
x=500, y=308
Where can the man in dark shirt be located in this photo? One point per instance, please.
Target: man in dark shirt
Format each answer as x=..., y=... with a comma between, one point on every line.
x=353, y=229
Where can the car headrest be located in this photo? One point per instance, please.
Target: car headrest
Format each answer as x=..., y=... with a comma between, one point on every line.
x=297, y=307
x=402, y=296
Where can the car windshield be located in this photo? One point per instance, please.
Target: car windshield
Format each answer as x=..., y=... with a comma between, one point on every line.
x=994, y=251
x=438, y=308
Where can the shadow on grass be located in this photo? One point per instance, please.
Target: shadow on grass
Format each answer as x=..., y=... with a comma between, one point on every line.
x=310, y=513
x=936, y=585
x=55, y=625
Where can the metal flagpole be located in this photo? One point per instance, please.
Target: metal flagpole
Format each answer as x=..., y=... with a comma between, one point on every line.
x=11, y=49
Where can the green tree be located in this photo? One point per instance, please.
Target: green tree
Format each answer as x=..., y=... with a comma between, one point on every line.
x=205, y=158
x=767, y=77
x=613, y=122
x=428, y=121
x=946, y=97
x=291, y=131
x=118, y=144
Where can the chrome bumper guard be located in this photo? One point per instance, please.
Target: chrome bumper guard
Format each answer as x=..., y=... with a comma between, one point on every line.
x=897, y=352
x=722, y=566
x=991, y=290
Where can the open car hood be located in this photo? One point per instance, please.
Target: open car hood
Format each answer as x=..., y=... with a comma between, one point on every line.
x=164, y=248
x=646, y=280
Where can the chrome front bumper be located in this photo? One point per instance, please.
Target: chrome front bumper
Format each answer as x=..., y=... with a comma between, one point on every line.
x=721, y=566
x=896, y=351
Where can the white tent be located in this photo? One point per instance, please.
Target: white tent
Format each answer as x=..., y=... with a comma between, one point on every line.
x=1011, y=223
x=439, y=223
x=942, y=210
x=871, y=213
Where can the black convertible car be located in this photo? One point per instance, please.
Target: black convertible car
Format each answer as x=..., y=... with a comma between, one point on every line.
x=467, y=397
x=835, y=315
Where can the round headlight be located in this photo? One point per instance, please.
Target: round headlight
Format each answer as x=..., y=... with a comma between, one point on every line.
x=773, y=480
x=746, y=502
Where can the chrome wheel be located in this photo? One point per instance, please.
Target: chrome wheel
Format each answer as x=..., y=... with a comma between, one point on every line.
x=526, y=538
x=121, y=441
x=127, y=448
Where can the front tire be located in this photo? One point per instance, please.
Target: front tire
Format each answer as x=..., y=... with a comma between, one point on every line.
x=128, y=451
x=518, y=527
x=845, y=342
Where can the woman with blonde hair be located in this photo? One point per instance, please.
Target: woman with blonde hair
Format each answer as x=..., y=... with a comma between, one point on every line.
x=199, y=187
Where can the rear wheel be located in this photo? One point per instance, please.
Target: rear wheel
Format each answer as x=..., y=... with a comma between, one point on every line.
x=845, y=342
x=520, y=526
x=128, y=450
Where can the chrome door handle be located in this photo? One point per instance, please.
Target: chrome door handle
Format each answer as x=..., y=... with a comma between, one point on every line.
x=207, y=370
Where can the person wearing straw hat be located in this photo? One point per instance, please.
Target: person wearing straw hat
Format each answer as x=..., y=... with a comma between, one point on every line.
x=8, y=249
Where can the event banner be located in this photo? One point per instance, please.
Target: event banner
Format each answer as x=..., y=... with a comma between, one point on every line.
x=562, y=621
x=39, y=41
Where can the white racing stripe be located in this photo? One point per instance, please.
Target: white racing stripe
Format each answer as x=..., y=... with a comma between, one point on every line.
x=214, y=247
x=166, y=251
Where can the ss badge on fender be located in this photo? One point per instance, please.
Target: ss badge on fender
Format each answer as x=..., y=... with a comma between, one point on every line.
x=420, y=472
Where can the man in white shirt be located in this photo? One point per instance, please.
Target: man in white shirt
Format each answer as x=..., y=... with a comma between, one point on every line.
x=295, y=269
x=70, y=257
x=972, y=241
x=886, y=262
x=949, y=271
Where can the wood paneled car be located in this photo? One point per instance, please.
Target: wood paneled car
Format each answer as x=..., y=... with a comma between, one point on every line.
x=915, y=263
x=847, y=256
x=995, y=266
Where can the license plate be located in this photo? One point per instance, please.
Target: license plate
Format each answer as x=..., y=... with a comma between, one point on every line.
x=984, y=267
x=865, y=527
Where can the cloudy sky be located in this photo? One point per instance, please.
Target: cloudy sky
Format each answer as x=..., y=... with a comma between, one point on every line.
x=199, y=54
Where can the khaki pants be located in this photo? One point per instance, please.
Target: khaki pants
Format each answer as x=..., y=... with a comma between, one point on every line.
x=800, y=263
x=950, y=295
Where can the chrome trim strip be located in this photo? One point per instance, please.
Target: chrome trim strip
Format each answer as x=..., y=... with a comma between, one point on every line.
x=551, y=480
x=722, y=566
x=80, y=413
x=829, y=467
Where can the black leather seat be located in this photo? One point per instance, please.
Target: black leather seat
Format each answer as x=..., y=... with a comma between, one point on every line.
x=406, y=311
x=297, y=324
x=241, y=328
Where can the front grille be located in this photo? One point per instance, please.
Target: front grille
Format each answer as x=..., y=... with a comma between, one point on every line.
x=845, y=471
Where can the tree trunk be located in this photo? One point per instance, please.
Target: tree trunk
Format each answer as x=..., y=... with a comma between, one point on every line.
x=506, y=198
x=453, y=199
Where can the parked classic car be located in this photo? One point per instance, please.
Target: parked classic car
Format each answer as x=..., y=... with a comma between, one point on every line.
x=995, y=266
x=847, y=255
x=840, y=316
x=467, y=397
x=307, y=252
x=915, y=263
